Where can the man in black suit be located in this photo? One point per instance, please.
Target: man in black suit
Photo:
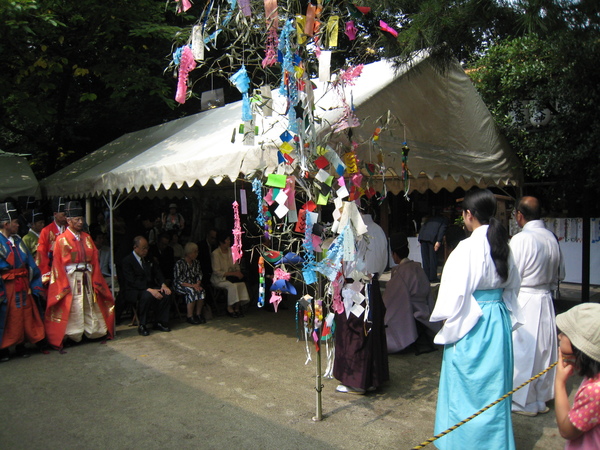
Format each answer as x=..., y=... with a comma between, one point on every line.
x=431, y=235
x=205, y=249
x=144, y=283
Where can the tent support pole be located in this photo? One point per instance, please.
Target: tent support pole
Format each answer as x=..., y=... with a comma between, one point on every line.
x=112, y=246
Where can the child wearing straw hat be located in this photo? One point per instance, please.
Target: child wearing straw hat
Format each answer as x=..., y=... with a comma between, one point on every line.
x=579, y=350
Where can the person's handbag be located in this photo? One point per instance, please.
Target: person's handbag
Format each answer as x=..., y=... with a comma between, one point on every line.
x=234, y=279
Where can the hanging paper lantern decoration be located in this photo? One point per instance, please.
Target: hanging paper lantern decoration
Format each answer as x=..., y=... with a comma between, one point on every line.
x=261, y=282
x=236, y=247
x=351, y=162
x=272, y=19
x=187, y=63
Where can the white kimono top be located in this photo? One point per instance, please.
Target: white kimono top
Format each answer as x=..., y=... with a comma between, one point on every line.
x=537, y=256
x=469, y=268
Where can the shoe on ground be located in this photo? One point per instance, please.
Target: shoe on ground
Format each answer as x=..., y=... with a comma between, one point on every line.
x=544, y=411
x=143, y=331
x=160, y=327
x=349, y=390
x=22, y=351
x=526, y=413
x=193, y=321
x=200, y=319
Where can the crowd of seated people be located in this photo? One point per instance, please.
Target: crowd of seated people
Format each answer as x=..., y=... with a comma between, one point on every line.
x=154, y=268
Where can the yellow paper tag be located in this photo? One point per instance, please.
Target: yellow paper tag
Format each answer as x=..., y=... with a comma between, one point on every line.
x=286, y=147
x=333, y=30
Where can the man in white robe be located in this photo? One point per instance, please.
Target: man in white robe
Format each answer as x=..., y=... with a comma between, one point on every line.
x=538, y=260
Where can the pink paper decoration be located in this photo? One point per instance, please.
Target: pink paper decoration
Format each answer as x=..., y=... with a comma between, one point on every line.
x=275, y=299
x=349, y=75
x=183, y=5
x=351, y=30
x=236, y=248
x=186, y=65
x=271, y=48
x=385, y=27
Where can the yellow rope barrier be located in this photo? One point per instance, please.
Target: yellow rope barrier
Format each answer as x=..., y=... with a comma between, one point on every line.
x=462, y=422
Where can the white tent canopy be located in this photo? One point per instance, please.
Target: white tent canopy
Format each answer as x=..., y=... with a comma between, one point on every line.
x=452, y=138
x=16, y=176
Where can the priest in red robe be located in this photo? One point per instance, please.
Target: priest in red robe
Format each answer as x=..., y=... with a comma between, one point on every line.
x=48, y=236
x=20, y=281
x=79, y=300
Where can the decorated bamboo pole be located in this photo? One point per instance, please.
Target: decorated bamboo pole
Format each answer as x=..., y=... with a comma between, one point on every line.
x=318, y=386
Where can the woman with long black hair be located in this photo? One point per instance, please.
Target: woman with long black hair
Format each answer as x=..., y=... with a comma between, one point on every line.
x=478, y=302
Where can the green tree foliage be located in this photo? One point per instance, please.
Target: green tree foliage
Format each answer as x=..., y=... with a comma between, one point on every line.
x=447, y=29
x=555, y=75
x=76, y=74
x=540, y=52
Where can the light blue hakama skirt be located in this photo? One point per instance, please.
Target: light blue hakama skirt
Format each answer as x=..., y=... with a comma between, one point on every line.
x=477, y=370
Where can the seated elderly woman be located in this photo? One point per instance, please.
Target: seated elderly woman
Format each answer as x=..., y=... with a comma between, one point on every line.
x=229, y=276
x=187, y=279
x=408, y=302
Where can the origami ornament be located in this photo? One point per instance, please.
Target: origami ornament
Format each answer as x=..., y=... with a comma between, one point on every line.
x=183, y=5
x=261, y=282
x=186, y=65
x=280, y=285
x=270, y=48
x=350, y=75
x=241, y=80
x=275, y=300
x=351, y=30
x=257, y=189
x=272, y=256
x=351, y=162
x=385, y=27
x=272, y=19
x=236, y=247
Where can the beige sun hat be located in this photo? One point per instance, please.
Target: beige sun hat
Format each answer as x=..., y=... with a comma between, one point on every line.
x=581, y=324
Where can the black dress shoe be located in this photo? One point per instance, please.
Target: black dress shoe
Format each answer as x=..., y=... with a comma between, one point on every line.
x=143, y=331
x=200, y=319
x=160, y=327
x=193, y=321
x=4, y=355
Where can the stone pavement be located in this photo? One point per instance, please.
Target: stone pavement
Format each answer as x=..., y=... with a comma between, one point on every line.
x=232, y=383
